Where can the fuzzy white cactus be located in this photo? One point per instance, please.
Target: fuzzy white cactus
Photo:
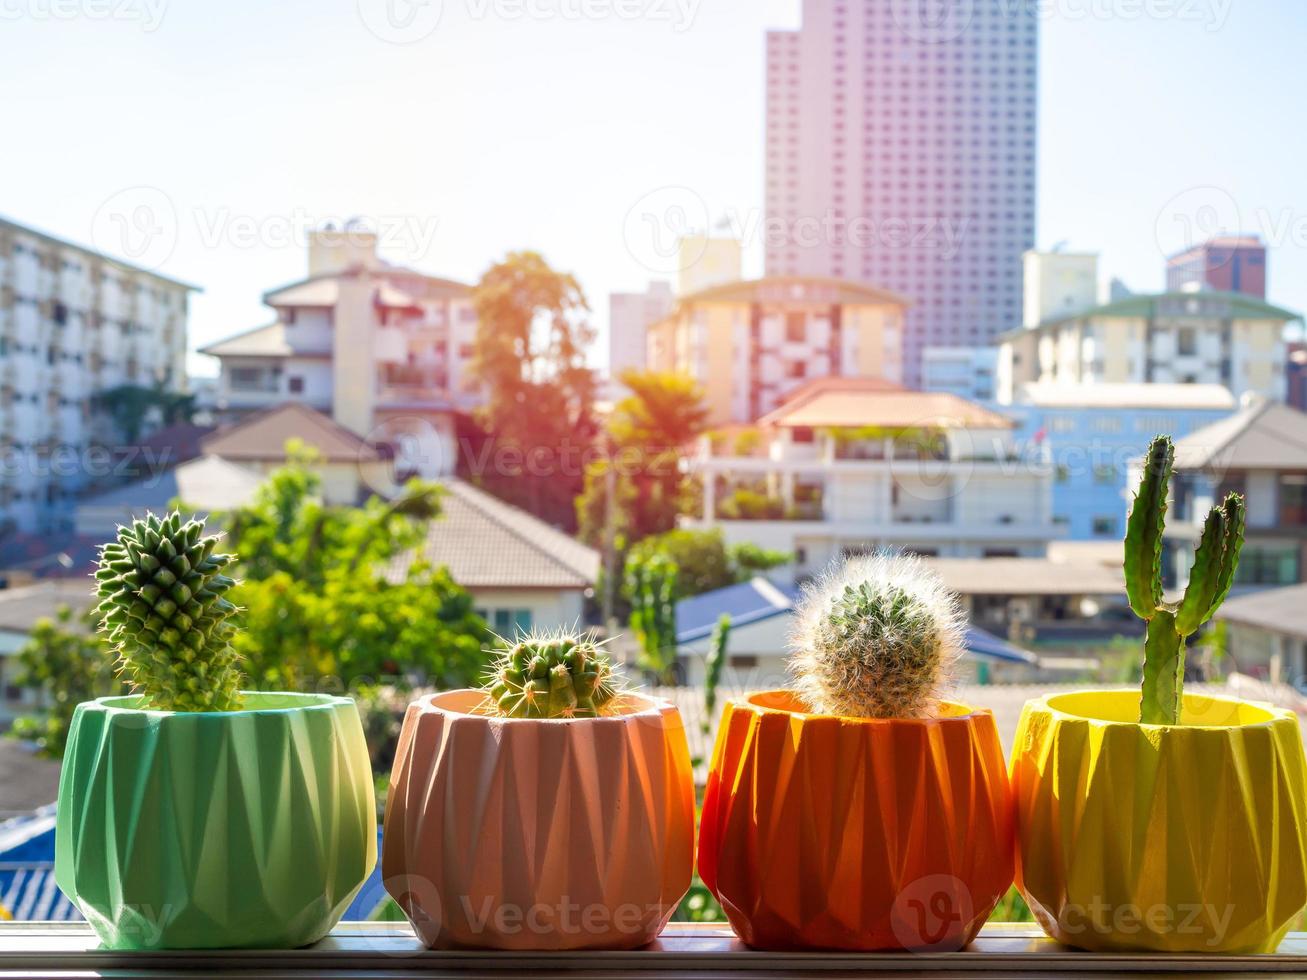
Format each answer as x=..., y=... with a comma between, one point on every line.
x=876, y=637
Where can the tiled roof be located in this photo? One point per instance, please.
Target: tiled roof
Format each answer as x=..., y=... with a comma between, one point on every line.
x=263, y=437
x=266, y=341
x=854, y=403
x=45, y=556
x=487, y=543
x=21, y=607
x=1238, y=306
x=1276, y=610
x=208, y=483
x=778, y=289
x=1265, y=435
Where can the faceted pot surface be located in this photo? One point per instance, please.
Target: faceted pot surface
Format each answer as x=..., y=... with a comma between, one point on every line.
x=539, y=834
x=1174, y=839
x=822, y=832
x=250, y=828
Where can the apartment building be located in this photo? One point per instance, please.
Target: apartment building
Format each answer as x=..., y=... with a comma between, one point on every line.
x=751, y=344
x=900, y=151
x=1260, y=452
x=629, y=317
x=1172, y=338
x=74, y=324
x=849, y=465
x=1230, y=264
x=385, y=351
x=967, y=372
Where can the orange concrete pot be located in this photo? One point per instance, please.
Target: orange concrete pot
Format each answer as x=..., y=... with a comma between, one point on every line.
x=820, y=832
x=530, y=834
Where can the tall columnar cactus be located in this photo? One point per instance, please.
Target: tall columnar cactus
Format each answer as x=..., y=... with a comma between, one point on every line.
x=876, y=638
x=554, y=675
x=651, y=585
x=1171, y=623
x=161, y=588
x=714, y=664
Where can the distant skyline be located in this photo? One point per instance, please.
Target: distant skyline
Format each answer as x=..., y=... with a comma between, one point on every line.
x=557, y=124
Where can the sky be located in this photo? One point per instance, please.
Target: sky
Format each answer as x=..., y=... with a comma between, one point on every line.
x=202, y=139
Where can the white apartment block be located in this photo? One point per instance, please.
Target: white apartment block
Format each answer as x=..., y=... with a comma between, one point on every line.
x=1173, y=338
x=384, y=350
x=73, y=324
x=852, y=465
x=1058, y=284
x=900, y=151
x=968, y=372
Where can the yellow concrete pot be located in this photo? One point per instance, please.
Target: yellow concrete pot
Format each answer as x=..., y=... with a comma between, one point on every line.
x=1189, y=838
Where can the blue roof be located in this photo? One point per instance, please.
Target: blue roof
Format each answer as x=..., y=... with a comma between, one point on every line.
x=27, y=887
x=760, y=599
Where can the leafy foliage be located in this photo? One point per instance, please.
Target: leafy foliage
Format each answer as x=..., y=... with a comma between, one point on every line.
x=318, y=604
x=70, y=664
x=651, y=586
x=532, y=334
x=703, y=561
x=714, y=665
x=131, y=406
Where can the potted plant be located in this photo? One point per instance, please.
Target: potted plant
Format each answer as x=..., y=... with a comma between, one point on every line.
x=1160, y=820
x=860, y=810
x=193, y=814
x=549, y=810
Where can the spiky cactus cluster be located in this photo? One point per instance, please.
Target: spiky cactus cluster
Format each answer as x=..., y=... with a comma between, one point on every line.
x=552, y=675
x=161, y=588
x=1171, y=623
x=876, y=638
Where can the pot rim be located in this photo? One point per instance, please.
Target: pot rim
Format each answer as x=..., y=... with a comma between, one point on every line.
x=748, y=702
x=650, y=707
x=1274, y=714
x=114, y=705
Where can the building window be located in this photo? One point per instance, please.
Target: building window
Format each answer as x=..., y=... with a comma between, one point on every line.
x=509, y=622
x=796, y=369
x=295, y=384
x=1187, y=341
x=796, y=328
x=1105, y=475
x=1104, y=527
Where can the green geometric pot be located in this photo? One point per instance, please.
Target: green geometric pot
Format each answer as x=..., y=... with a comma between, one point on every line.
x=251, y=828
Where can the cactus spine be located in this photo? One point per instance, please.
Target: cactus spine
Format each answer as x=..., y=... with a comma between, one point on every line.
x=1171, y=623
x=876, y=638
x=555, y=675
x=161, y=588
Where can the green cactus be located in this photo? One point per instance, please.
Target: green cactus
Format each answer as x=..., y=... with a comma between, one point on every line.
x=876, y=639
x=1171, y=623
x=161, y=588
x=651, y=584
x=554, y=675
x=714, y=664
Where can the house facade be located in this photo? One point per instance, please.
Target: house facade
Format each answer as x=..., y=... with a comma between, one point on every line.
x=852, y=465
x=384, y=350
x=751, y=344
x=1175, y=338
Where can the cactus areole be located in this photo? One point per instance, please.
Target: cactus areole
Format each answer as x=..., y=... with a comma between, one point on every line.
x=161, y=588
x=1171, y=623
x=554, y=675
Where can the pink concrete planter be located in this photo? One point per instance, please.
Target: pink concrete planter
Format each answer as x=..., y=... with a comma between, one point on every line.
x=539, y=834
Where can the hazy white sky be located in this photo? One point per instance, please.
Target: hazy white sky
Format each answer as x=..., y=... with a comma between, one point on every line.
x=507, y=124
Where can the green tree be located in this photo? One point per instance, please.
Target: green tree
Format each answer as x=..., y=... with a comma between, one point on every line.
x=646, y=434
x=324, y=596
x=703, y=560
x=532, y=334
x=130, y=406
x=70, y=663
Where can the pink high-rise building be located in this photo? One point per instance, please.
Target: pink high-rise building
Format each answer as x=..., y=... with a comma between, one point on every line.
x=901, y=140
